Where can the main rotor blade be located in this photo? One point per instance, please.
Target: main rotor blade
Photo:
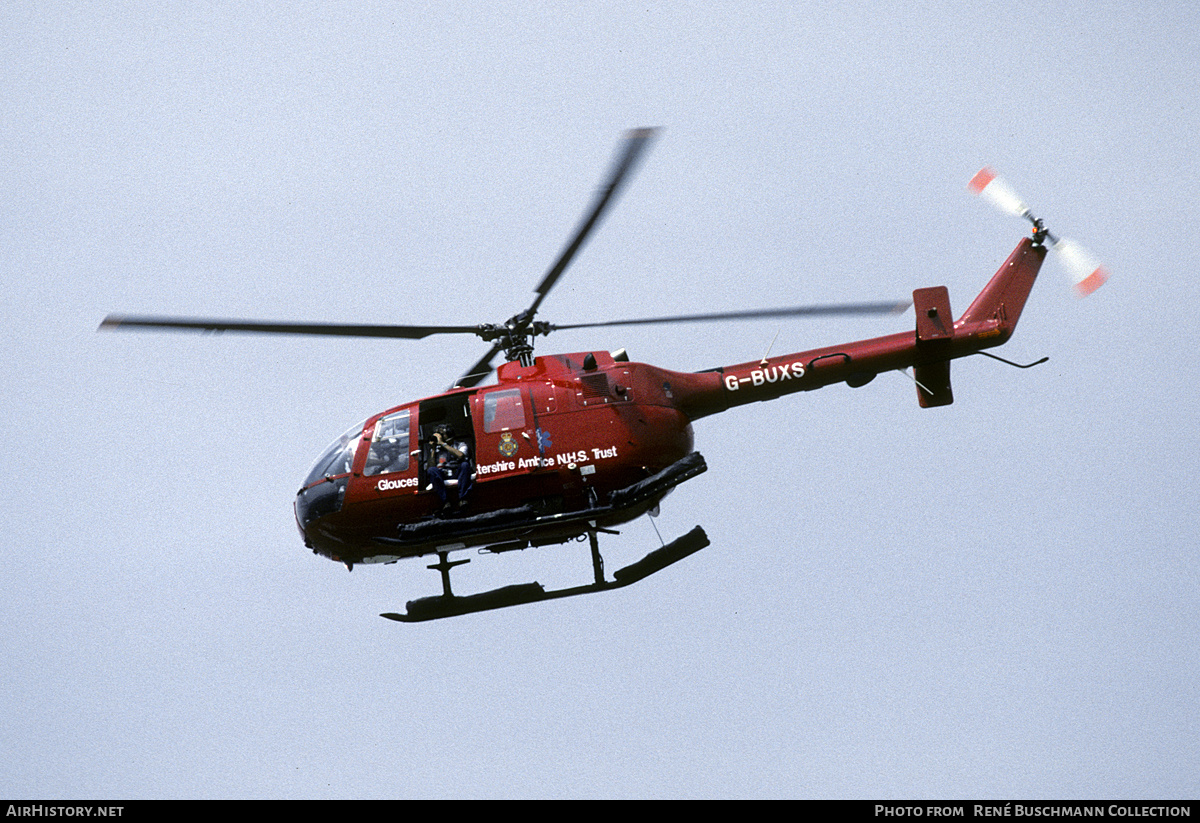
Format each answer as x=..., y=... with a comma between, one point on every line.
x=636, y=142
x=479, y=372
x=120, y=321
x=845, y=310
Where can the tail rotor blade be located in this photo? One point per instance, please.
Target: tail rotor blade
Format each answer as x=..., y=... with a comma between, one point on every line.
x=1086, y=271
x=996, y=191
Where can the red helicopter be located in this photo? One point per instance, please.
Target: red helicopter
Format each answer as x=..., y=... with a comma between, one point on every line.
x=564, y=447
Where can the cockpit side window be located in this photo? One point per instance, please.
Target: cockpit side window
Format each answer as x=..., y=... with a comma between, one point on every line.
x=389, y=446
x=503, y=411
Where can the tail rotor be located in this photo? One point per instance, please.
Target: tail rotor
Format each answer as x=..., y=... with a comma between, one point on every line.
x=1086, y=272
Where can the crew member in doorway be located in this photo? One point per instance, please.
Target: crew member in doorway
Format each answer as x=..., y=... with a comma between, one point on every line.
x=451, y=461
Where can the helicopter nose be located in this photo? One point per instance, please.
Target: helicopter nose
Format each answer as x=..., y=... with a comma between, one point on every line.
x=317, y=501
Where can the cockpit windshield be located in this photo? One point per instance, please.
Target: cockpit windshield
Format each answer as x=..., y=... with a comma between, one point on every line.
x=337, y=459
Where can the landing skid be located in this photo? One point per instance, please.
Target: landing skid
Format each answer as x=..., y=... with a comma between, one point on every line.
x=449, y=604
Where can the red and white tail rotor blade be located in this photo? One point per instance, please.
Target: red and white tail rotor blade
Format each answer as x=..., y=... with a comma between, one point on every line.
x=994, y=190
x=1085, y=270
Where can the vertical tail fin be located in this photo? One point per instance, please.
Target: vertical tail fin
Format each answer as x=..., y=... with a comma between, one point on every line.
x=1000, y=303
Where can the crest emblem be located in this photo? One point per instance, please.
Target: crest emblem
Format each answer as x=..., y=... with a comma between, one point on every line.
x=508, y=444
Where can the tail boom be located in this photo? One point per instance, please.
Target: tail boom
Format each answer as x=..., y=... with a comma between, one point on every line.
x=988, y=322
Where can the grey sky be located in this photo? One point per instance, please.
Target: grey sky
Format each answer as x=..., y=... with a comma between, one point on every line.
x=995, y=599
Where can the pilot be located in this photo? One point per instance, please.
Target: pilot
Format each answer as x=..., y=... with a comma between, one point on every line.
x=451, y=460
